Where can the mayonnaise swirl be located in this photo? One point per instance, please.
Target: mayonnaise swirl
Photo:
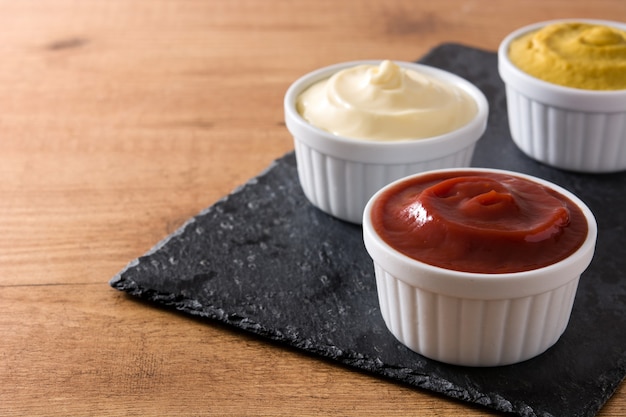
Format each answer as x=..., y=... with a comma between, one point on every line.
x=385, y=103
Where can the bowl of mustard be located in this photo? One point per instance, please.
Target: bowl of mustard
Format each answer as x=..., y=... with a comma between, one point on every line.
x=566, y=93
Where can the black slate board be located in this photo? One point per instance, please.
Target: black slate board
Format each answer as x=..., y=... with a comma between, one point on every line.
x=264, y=260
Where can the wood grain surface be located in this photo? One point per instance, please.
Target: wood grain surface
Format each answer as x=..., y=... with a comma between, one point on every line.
x=120, y=119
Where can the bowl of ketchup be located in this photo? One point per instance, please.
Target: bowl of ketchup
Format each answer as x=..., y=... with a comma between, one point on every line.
x=477, y=266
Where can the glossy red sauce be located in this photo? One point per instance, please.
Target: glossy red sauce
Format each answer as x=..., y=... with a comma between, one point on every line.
x=479, y=222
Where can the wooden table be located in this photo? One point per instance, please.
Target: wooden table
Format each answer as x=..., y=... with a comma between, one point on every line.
x=120, y=119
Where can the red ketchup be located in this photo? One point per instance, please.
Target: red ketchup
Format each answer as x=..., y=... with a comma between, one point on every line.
x=479, y=222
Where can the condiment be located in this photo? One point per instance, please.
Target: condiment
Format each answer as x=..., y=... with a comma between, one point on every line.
x=385, y=102
x=578, y=55
x=479, y=222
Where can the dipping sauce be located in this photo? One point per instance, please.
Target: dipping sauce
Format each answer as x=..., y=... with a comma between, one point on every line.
x=385, y=102
x=479, y=222
x=578, y=55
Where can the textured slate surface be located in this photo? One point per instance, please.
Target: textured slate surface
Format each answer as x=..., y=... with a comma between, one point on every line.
x=265, y=261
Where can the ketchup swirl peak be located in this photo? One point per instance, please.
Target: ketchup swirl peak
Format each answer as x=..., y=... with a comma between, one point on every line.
x=479, y=222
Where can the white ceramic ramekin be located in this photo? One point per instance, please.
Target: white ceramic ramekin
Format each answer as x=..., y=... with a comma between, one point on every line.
x=476, y=319
x=339, y=175
x=567, y=128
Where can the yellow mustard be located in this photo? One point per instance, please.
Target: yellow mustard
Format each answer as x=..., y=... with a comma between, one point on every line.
x=385, y=102
x=572, y=54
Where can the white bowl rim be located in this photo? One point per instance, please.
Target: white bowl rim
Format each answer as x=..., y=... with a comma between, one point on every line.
x=480, y=285
x=391, y=152
x=594, y=101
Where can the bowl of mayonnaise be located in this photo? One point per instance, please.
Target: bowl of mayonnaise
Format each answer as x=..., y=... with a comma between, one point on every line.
x=360, y=125
x=566, y=93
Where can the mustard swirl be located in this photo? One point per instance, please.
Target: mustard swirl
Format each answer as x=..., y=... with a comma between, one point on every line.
x=578, y=55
